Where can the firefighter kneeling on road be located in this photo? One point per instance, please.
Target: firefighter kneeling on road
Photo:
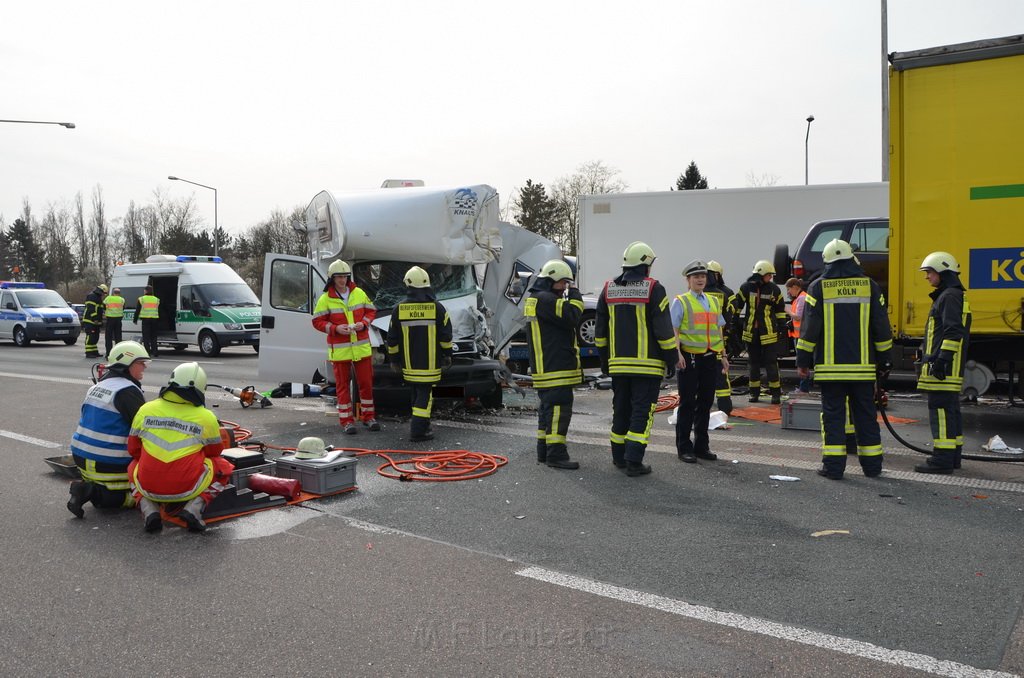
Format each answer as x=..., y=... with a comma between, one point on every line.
x=846, y=337
x=553, y=311
x=420, y=347
x=175, y=445
x=100, y=443
x=942, y=368
x=638, y=349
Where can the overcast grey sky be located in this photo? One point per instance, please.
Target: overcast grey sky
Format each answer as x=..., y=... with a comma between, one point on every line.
x=271, y=102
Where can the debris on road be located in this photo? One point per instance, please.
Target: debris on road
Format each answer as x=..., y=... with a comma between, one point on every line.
x=785, y=479
x=997, y=444
x=826, y=533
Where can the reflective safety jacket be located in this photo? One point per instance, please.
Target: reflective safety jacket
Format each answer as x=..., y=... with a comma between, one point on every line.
x=845, y=331
x=331, y=311
x=419, y=336
x=551, y=333
x=175, y=443
x=699, y=329
x=721, y=292
x=946, y=335
x=634, y=331
x=766, y=310
x=102, y=433
x=149, y=307
x=796, y=312
x=93, y=313
x=114, y=306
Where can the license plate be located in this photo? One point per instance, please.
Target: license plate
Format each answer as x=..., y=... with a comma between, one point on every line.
x=62, y=331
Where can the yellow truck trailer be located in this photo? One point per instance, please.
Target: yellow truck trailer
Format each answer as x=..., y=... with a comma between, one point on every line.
x=957, y=184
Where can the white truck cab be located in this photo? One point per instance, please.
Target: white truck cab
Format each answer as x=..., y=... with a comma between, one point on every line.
x=203, y=302
x=476, y=265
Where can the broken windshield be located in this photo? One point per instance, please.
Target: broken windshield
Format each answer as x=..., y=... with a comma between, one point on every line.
x=384, y=281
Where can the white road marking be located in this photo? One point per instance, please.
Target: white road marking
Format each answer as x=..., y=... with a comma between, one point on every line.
x=29, y=439
x=36, y=377
x=856, y=648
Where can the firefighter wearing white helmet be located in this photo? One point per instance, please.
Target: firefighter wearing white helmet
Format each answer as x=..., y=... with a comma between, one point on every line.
x=846, y=337
x=637, y=347
x=944, y=354
x=344, y=313
x=100, y=442
x=176, y=447
x=420, y=347
x=553, y=311
x=717, y=289
x=763, y=327
x=698, y=321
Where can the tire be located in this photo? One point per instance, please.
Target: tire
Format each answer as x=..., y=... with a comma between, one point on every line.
x=782, y=262
x=209, y=346
x=492, y=399
x=256, y=347
x=71, y=341
x=20, y=337
x=178, y=348
x=587, y=329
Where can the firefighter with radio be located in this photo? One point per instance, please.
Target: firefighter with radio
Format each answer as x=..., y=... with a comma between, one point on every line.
x=92, y=320
x=717, y=289
x=553, y=311
x=420, y=347
x=846, y=337
x=765, y=325
x=637, y=347
x=100, y=443
x=344, y=313
x=114, y=309
x=698, y=321
x=176, y=446
x=944, y=356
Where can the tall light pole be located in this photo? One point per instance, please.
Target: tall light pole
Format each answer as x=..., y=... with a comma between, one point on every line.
x=69, y=125
x=216, y=236
x=807, y=139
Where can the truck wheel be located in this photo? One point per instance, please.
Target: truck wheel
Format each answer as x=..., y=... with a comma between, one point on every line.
x=781, y=262
x=586, y=331
x=256, y=347
x=492, y=399
x=71, y=341
x=209, y=346
x=20, y=338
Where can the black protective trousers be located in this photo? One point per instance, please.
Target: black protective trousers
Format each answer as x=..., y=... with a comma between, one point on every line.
x=947, y=428
x=834, y=417
x=633, y=403
x=696, y=394
x=766, y=356
x=111, y=334
x=422, y=404
x=149, y=330
x=92, y=337
x=553, y=417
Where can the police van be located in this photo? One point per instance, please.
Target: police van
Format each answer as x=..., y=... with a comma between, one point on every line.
x=30, y=312
x=203, y=302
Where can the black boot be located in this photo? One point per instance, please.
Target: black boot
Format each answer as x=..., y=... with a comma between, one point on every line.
x=81, y=492
x=636, y=468
x=725, y=404
x=928, y=467
x=619, y=455
x=941, y=462
x=558, y=457
x=542, y=451
x=957, y=455
x=754, y=394
x=776, y=395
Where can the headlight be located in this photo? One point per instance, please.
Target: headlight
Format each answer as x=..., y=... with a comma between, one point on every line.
x=232, y=326
x=35, y=319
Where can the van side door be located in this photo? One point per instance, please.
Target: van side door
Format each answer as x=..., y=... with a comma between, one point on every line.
x=291, y=349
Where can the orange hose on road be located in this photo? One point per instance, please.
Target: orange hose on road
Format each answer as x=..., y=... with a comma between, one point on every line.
x=667, y=402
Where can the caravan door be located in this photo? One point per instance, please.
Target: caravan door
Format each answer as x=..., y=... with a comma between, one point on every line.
x=291, y=349
x=507, y=280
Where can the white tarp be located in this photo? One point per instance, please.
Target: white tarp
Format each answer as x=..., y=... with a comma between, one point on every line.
x=431, y=225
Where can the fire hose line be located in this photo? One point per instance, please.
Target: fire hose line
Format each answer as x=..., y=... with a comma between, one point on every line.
x=899, y=439
x=667, y=402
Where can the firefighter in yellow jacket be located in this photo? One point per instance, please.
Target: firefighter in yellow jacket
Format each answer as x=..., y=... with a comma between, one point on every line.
x=420, y=347
x=637, y=346
x=553, y=311
x=944, y=354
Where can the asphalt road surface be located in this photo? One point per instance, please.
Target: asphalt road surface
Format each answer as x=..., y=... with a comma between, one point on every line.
x=710, y=569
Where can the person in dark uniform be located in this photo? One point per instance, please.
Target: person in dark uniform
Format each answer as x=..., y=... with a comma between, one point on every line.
x=553, y=311
x=698, y=320
x=420, y=347
x=637, y=347
x=92, y=320
x=717, y=288
x=944, y=357
x=765, y=324
x=846, y=337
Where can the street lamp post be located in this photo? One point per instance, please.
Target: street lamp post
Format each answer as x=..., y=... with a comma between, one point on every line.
x=69, y=125
x=807, y=139
x=216, y=235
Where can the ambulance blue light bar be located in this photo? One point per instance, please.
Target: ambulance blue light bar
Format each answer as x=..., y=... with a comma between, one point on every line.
x=192, y=257
x=7, y=285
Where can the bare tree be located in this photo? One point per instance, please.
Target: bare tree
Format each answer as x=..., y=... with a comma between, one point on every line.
x=590, y=178
x=57, y=239
x=98, y=231
x=85, y=246
x=763, y=179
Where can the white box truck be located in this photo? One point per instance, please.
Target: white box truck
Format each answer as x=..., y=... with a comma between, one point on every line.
x=477, y=266
x=734, y=226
